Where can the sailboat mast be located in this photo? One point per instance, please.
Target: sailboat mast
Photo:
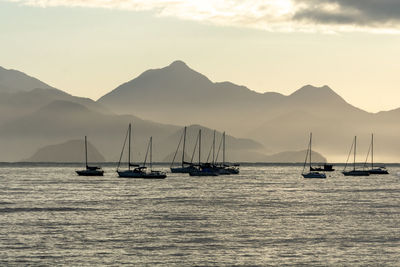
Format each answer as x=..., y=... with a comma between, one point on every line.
x=213, y=148
x=86, y=152
x=310, y=149
x=184, y=144
x=199, y=147
x=151, y=152
x=355, y=149
x=129, y=147
x=372, y=152
x=223, y=150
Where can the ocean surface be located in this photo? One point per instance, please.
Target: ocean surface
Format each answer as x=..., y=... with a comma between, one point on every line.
x=267, y=215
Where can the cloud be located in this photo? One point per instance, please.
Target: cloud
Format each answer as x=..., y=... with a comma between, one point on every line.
x=364, y=13
x=272, y=15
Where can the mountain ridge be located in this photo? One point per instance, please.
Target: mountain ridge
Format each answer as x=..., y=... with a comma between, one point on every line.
x=171, y=96
x=14, y=80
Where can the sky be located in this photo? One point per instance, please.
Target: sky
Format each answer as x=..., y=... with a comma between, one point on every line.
x=89, y=47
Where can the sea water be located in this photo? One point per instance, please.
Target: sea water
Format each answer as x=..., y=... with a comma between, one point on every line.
x=266, y=215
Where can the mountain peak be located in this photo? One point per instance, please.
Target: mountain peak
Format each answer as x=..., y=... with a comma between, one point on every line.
x=310, y=91
x=178, y=64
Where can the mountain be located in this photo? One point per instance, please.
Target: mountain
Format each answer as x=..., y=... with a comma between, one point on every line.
x=188, y=97
x=14, y=81
x=33, y=115
x=294, y=157
x=21, y=94
x=177, y=94
x=237, y=149
x=17, y=104
x=64, y=120
x=70, y=151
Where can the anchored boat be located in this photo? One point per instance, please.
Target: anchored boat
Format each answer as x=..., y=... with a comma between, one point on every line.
x=225, y=168
x=375, y=169
x=90, y=170
x=354, y=172
x=312, y=173
x=185, y=167
x=205, y=169
x=139, y=171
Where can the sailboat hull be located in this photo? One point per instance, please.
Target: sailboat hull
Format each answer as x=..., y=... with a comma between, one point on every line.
x=182, y=169
x=378, y=171
x=227, y=170
x=314, y=175
x=90, y=173
x=142, y=175
x=356, y=173
x=204, y=172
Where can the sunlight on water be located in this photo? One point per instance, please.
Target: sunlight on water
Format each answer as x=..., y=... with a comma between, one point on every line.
x=265, y=215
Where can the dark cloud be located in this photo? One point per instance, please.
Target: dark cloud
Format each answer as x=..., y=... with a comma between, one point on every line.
x=355, y=12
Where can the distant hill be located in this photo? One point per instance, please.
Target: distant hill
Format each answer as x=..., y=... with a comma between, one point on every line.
x=17, y=104
x=237, y=149
x=21, y=94
x=62, y=120
x=70, y=151
x=14, y=81
x=294, y=157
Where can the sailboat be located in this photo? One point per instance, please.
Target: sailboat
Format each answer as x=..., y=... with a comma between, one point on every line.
x=185, y=167
x=225, y=168
x=139, y=171
x=354, y=172
x=150, y=173
x=378, y=169
x=202, y=169
x=90, y=170
x=311, y=173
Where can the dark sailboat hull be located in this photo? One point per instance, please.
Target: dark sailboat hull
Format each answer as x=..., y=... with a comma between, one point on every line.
x=378, y=171
x=142, y=175
x=227, y=171
x=314, y=175
x=204, y=172
x=356, y=173
x=182, y=169
x=90, y=173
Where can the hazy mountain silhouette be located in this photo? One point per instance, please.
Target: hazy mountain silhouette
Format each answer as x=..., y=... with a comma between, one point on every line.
x=294, y=157
x=14, y=81
x=188, y=97
x=70, y=151
x=177, y=94
x=237, y=149
x=33, y=114
x=16, y=104
x=64, y=120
